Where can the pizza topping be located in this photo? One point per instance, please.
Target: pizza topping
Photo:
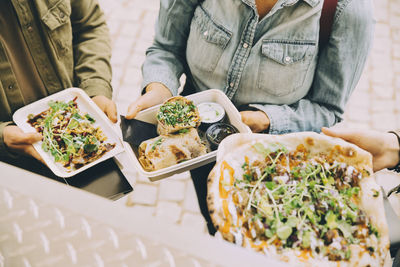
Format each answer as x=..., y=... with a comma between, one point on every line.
x=294, y=200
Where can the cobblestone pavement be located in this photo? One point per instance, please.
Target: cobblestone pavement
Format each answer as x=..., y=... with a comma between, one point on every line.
x=374, y=104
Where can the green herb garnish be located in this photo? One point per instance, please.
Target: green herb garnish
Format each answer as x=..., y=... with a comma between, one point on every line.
x=157, y=143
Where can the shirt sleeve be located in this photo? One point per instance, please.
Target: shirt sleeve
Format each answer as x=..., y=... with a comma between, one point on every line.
x=339, y=68
x=165, y=59
x=92, y=49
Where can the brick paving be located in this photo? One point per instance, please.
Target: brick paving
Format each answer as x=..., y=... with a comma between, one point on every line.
x=374, y=104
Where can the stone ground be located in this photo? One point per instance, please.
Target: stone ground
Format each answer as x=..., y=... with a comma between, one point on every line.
x=374, y=104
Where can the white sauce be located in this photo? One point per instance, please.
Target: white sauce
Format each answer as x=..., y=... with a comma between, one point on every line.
x=253, y=233
x=210, y=112
x=238, y=237
x=350, y=171
x=283, y=178
x=326, y=166
x=260, y=225
x=232, y=211
x=55, y=121
x=227, y=177
x=336, y=245
x=240, y=198
x=312, y=208
x=258, y=172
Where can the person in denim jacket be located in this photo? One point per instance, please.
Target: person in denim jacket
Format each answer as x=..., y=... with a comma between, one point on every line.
x=263, y=54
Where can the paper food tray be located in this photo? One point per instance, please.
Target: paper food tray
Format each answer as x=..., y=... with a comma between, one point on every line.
x=149, y=115
x=85, y=104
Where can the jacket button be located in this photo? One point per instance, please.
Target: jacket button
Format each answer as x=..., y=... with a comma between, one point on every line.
x=231, y=84
x=10, y=87
x=288, y=59
x=62, y=15
x=245, y=45
x=29, y=27
x=205, y=33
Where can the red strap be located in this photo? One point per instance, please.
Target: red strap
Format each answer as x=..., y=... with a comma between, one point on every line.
x=326, y=21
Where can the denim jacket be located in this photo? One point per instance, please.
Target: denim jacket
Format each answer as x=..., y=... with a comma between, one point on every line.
x=274, y=64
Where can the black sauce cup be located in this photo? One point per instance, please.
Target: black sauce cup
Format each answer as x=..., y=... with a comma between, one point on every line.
x=217, y=132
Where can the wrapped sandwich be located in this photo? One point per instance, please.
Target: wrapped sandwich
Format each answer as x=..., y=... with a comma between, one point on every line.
x=170, y=149
x=177, y=113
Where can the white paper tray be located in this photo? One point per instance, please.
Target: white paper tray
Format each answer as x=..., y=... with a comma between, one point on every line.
x=149, y=115
x=85, y=104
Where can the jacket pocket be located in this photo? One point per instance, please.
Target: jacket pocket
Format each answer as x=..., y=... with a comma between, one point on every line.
x=206, y=42
x=58, y=23
x=284, y=65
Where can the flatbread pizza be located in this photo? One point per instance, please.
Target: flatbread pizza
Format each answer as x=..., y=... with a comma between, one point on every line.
x=303, y=198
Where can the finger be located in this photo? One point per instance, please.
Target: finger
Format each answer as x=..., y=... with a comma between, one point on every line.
x=30, y=150
x=352, y=136
x=145, y=101
x=244, y=115
x=111, y=111
x=21, y=138
x=344, y=134
x=133, y=110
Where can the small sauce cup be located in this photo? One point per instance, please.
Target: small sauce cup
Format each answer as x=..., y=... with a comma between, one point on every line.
x=217, y=132
x=210, y=113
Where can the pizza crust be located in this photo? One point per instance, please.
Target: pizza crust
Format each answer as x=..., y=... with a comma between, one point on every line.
x=235, y=147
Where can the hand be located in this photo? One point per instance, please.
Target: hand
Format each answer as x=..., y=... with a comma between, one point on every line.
x=107, y=106
x=156, y=93
x=21, y=143
x=384, y=147
x=258, y=121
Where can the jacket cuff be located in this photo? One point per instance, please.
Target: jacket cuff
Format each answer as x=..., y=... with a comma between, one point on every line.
x=279, y=121
x=95, y=87
x=4, y=152
x=164, y=78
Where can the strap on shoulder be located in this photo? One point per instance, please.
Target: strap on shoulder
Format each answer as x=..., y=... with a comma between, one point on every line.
x=326, y=21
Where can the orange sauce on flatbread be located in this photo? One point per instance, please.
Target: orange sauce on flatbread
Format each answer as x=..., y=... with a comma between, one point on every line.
x=260, y=246
x=304, y=255
x=225, y=166
x=301, y=148
x=228, y=219
x=239, y=218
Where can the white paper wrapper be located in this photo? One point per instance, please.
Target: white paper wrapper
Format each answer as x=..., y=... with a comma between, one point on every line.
x=86, y=105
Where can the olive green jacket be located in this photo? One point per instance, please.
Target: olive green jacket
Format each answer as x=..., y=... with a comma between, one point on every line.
x=70, y=45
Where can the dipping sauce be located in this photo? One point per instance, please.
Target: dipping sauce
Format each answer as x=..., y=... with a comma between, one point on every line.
x=211, y=112
x=217, y=132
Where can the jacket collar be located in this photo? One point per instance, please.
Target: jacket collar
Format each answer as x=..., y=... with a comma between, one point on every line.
x=312, y=3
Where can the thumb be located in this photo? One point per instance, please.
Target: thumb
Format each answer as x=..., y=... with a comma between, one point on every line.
x=28, y=138
x=111, y=111
x=133, y=109
x=347, y=135
x=330, y=131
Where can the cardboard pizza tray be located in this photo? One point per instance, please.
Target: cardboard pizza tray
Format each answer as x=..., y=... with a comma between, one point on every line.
x=149, y=115
x=85, y=104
